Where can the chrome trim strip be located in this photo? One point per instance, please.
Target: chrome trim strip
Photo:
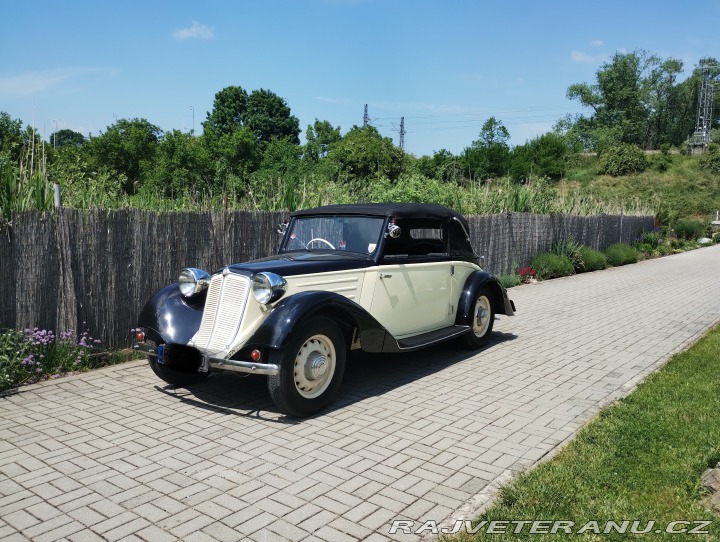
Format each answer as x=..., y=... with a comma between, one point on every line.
x=244, y=366
x=459, y=332
x=326, y=282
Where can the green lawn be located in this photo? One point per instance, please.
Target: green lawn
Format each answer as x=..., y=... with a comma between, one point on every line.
x=640, y=459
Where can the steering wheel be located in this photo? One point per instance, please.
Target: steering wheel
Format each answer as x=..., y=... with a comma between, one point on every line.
x=328, y=243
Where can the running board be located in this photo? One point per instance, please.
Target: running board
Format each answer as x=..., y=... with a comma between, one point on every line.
x=426, y=339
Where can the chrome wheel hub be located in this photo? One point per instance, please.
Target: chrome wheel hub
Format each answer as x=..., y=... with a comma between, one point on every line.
x=314, y=366
x=481, y=320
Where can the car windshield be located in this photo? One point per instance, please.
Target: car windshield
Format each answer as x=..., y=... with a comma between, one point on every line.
x=358, y=234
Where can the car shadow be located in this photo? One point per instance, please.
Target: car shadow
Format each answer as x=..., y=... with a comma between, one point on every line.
x=366, y=375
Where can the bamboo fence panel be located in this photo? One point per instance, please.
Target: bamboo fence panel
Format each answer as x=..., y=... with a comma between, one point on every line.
x=94, y=270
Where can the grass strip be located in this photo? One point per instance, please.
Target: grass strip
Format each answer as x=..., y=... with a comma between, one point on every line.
x=640, y=459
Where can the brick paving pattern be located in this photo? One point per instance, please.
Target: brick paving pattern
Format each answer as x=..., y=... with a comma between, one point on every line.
x=116, y=455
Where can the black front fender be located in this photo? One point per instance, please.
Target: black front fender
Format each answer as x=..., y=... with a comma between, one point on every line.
x=170, y=318
x=278, y=327
x=474, y=282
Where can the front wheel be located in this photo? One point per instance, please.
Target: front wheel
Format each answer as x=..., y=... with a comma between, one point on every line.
x=311, y=369
x=481, y=320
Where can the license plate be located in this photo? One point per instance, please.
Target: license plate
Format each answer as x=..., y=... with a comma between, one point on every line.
x=160, y=352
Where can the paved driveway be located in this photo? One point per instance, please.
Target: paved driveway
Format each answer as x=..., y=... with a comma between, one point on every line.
x=113, y=455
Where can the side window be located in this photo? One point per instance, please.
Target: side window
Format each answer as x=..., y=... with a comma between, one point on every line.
x=418, y=238
x=425, y=241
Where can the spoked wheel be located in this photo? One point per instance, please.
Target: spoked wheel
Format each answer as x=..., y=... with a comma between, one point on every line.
x=481, y=321
x=311, y=369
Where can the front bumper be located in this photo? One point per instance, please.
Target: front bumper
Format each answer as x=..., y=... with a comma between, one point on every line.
x=208, y=362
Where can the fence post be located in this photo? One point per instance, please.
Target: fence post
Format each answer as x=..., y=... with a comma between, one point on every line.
x=56, y=196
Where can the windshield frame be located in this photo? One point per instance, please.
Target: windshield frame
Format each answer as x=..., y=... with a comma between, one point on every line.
x=350, y=250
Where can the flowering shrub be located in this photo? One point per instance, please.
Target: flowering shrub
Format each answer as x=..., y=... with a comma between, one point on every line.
x=38, y=354
x=526, y=274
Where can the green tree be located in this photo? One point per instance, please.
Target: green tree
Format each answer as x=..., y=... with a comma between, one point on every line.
x=544, y=156
x=269, y=117
x=619, y=97
x=126, y=148
x=321, y=136
x=11, y=137
x=66, y=137
x=242, y=125
x=237, y=153
x=489, y=155
x=228, y=114
x=182, y=164
x=83, y=186
x=442, y=165
x=364, y=154
x=281, y=158
x=636, y=100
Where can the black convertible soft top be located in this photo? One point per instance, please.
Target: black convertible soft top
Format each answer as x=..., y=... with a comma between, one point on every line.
x=398, y=210
x=458, y=229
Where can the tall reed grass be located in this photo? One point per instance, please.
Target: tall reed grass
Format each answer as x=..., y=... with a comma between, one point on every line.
x=28, y=187
x=25, y=186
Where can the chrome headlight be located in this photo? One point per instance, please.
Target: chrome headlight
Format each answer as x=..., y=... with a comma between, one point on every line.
x=268, y=287
x=192, y=281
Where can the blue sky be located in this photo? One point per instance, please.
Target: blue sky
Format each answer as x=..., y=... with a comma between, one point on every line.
x=446, y=66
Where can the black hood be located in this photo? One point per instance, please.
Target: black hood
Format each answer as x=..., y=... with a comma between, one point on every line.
x=303, y=263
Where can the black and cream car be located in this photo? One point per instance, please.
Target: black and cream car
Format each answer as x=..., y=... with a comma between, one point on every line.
x=384, y=277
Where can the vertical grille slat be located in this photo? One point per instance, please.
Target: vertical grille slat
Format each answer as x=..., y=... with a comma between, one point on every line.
x=223, y=312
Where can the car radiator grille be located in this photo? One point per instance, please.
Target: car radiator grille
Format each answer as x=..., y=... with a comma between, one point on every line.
x=224, y=308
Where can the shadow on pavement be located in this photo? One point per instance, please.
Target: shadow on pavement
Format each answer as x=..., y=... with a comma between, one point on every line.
x=366, y=375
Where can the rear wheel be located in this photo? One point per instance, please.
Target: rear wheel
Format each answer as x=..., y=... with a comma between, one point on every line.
x=311, y=369
x=481, y=320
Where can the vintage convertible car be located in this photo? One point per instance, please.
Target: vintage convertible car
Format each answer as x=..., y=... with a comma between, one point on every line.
x=385, y=277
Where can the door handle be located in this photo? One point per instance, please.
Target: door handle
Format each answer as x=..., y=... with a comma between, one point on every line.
x=385, y=276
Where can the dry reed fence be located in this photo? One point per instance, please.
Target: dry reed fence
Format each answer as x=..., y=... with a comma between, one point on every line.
x=94, y=270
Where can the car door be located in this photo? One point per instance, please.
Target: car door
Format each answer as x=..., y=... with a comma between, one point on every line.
x=413, y=289
x=413, y=297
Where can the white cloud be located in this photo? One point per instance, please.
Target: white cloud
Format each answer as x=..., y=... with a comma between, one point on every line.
x=29, y=83
x=597, y=43
x=582, y=57
x=197, y=30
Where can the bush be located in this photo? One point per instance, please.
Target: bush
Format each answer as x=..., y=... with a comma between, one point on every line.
x=592, y=260
x=660, y=162
x=621, y=254
x=710, y=162
x=414, y=189
x=570, y=249
x=689, y=229
x=509, y=280
x=549, y=265
x=35, y=354
x=654, y=237
x=623, y=160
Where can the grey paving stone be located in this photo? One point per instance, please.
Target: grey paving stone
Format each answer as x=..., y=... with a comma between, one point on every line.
x=413, y=436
